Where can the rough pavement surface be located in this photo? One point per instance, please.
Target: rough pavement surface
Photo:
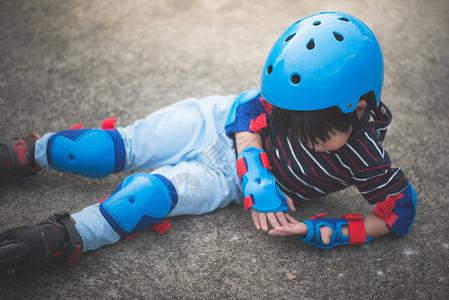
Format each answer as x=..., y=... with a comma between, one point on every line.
x=66, y=62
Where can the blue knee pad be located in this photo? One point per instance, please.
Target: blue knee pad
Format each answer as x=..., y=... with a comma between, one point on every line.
x=141, y=200
x=93, y=153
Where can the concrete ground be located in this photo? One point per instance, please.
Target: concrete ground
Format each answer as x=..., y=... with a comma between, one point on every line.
x=66, y=62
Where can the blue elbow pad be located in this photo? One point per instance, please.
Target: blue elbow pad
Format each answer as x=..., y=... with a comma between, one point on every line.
x=241, y=99
x=93, y=153
x=399, y=211
x=244, y=112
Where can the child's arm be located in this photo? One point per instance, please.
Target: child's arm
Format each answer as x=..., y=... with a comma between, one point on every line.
x=374, y=227
x=263, y=198
x=379, y=183
x=394, y=214
x=245, y=140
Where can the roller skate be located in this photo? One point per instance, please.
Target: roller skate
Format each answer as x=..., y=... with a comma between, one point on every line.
x=27, y=248
x=17, y=158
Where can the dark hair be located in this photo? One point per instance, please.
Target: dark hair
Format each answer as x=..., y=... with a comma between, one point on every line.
x=317, y=125
x=309, y=126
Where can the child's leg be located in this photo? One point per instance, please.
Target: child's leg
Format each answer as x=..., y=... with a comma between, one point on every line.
x=140, y=201
x=195, y=186
x=177, y=132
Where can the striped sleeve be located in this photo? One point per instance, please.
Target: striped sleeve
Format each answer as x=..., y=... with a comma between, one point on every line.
x=373, y=174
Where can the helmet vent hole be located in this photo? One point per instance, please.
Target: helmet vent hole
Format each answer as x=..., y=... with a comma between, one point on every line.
x=311, y=44
x=270, y=69
x=295, y=79
x=290, y=37
x=338, y=36
x=344, y=19
x=316, y=23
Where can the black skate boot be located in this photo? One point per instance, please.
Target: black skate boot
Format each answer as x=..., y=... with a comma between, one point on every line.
x=17, y=158
x=26, y=248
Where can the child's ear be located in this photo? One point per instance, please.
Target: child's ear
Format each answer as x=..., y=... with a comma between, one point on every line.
x=360, y=109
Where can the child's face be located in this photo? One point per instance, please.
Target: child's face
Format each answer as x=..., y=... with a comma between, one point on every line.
x=336, y=141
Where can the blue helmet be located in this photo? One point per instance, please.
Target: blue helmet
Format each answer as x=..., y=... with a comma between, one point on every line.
x=324, y=60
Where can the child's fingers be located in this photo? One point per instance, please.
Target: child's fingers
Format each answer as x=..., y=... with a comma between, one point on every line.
x=299, y=228
x=281, y=218
x=260, y=219
x=290, y=204
x=277, y=233
x=263, y=221
x=272, y=220
x=326, y=234
x=291, y=219
x=255, y=216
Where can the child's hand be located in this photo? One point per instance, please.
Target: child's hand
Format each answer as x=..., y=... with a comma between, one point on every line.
x=276, y=219
x=296, y=227
x=292, y=227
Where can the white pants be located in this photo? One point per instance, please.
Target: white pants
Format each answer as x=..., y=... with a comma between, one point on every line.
x=187, y=144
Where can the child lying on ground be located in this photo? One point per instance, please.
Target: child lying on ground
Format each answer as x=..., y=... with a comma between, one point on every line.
x=315, y=127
